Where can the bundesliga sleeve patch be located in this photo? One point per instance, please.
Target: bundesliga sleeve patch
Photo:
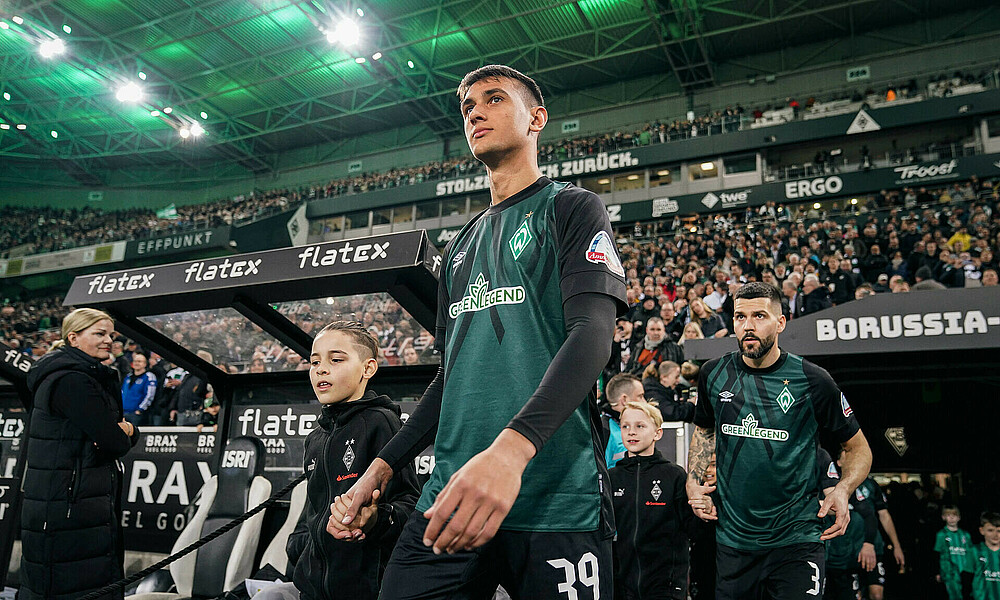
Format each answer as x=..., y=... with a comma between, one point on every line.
x=602, y=251
x=845, y=406
x=831, y=471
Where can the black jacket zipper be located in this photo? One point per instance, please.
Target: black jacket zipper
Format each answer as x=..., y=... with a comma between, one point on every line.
x=635, y=530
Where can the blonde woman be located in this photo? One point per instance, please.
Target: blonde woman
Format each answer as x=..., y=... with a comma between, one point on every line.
x=70, y=520
x=710, y=323
x=692, y=331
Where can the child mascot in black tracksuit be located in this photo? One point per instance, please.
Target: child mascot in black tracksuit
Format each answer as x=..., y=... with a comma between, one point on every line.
x=354, y=426
x=652, y=515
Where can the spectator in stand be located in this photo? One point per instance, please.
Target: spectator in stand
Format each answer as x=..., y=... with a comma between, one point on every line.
x=710, y=323
x=874, y=264
x=621, y=390
x=815, y=295
x=925, y=280
x=138, y=390
x=653, y=348
x=792, y=301
x=692, y=331
x=673, y=325
x=990, y=278
x=660, y=385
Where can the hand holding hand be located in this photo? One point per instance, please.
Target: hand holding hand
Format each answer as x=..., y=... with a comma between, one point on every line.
x=838, y=503
x=700, y=501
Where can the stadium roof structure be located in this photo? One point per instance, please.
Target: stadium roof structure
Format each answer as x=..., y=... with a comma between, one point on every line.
x=262, y=77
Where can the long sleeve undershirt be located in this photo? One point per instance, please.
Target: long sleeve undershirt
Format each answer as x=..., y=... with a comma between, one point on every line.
x=590, y=319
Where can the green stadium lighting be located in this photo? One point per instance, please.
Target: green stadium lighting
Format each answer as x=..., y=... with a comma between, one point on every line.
x=50, y=48
x=204, y=115
x=67, y=29
x=130, y=92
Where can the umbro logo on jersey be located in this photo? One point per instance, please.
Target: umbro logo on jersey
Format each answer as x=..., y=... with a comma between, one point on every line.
x=482, y=297
x=748, y=428
x=726, y=396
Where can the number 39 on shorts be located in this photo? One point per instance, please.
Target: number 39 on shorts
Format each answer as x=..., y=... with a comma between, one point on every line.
x=585, y=571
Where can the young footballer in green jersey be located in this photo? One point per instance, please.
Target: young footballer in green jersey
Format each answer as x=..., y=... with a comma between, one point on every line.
x=954, y=548
x=986, y=579
x=761, y=411
x=527, y=299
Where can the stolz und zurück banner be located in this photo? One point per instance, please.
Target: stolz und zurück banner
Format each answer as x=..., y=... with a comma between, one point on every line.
x=314, y=260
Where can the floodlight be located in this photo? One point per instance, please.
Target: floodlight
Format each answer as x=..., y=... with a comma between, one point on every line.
x=632, y=177
x=167, y=110
x=707, y=166
x=329, y=300
x=604, y=181
x=6, y=95
x=4, y=25
x=663, y=172
x=154, y=113
x=142, y=75
x=67, y=29
x=854, y=200
x=346, y=32
x=376, y=56
x=17, y=20
x=361, y=13
x=50, y=48
x=360, y=60
x=22, y=126
x=4, y=126
x=409, y=63
x=54, y=133
x=204, y=115
x=130, y=92
x=196, y=130
x=816, y=205
x=185, y=132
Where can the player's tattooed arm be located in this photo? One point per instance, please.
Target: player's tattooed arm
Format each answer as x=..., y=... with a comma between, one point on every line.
x=699, y=459
x=700, y=454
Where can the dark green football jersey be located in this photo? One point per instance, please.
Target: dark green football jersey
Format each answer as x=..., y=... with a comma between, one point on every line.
x=766, y=424
x=503, y=282
x=869, y=491
x=986, y=579
x=954, y=550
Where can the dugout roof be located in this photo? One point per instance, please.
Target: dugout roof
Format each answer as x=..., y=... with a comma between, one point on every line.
x=268, y=81
x=269, y=300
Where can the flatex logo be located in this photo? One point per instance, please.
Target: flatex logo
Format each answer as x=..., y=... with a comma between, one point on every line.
x=200, y=271
x=345, y=254
x=18, y=360
x=102, y=284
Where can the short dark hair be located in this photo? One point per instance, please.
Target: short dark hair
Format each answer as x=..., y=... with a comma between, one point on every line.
x=991, y=517
x=759, y=289
x=359, y=334
x=616, y=385
x=924, y=273
x=496, y=71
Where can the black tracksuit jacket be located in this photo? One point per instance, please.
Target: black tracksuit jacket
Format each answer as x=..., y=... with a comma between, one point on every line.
x=653, y=521
x=349, y=437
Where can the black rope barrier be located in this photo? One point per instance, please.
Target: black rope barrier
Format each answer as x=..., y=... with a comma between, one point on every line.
x=122, y=584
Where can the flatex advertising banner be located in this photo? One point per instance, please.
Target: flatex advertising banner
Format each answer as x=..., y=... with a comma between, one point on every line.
x=283, y=429
x=163, y=474
x=315, y=260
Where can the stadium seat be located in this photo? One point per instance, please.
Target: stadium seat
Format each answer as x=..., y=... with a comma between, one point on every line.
x=226, y=562
x=275, y=554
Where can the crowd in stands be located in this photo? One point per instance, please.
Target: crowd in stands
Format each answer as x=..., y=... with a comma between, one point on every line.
x=49, y=229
